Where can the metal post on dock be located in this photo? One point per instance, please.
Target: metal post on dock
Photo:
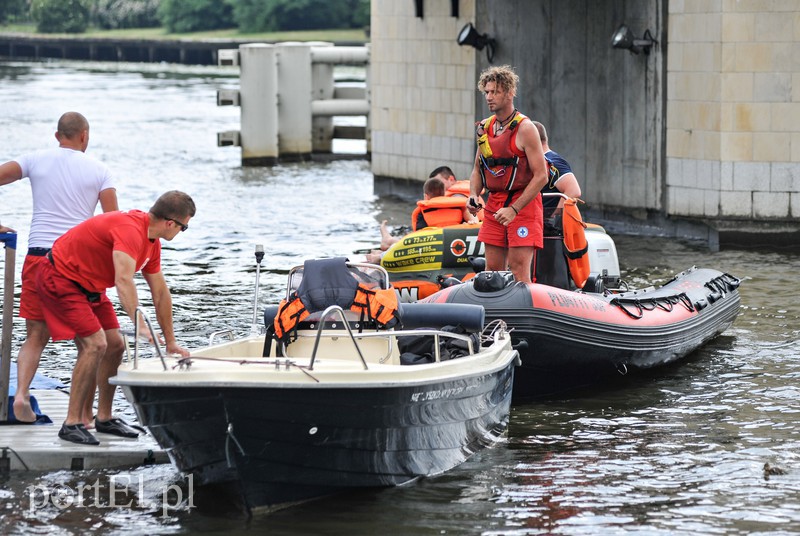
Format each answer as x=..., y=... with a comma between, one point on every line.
x=10, y=241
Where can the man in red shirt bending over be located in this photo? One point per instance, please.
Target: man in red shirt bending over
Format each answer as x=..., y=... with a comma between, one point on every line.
x=103, y=252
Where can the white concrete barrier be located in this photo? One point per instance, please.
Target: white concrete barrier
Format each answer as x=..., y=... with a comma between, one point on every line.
x=288, y=98
x=258, y=98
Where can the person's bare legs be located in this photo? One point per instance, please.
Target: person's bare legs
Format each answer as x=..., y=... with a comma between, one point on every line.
x=90, y=352
x=520, y=261
x=374, y=256
x=106, y=368
x=386, y=237
x=28, y=359
x=495, y=258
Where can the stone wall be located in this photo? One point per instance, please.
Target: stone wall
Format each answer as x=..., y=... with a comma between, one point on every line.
x=704, y=129
x=733, y=109
x=423, y=90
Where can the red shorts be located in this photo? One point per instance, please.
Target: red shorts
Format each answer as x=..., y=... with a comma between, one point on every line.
x=67, y=310
x=525, y=230
x=29, y=305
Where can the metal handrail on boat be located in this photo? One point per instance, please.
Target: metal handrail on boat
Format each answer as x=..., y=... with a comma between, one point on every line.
x=227, y=332
x=326, y=313
x=391, y=335
x=152, y=335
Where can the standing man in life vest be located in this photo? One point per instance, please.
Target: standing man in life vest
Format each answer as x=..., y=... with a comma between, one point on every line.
x=103, y=252
x=67, y=185
x=510, y=164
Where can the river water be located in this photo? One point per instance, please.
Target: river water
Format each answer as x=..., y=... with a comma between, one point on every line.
x=680, y=451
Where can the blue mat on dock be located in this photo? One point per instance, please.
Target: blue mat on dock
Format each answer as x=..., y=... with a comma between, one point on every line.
x=41, y=418
x=39, y=382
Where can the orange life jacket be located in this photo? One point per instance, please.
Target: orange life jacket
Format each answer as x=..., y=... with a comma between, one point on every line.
x=441, y=211
x=290, y=313
x=458, y=188
x=379, y=305
x=462, y=188
x=575, y=243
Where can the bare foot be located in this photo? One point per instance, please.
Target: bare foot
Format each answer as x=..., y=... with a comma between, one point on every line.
x=22, y=409
x=387, y=240
x=88, y=420
x=386, y=237
x=374, y=257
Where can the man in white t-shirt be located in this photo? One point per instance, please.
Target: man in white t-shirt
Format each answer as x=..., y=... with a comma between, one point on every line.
x=66, y=184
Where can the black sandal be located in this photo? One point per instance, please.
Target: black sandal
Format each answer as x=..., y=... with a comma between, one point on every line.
x=77, y=433
x=117, y=427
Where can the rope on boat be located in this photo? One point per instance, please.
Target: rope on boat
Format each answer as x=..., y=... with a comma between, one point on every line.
x=665, y=303
x=230, y=437
x=187, y=362
x=489, y=330
x=719, y=287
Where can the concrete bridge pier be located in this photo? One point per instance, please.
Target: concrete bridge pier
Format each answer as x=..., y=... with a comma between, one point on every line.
x=258, y=92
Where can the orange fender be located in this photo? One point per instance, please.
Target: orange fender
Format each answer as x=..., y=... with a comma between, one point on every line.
x=575, y=243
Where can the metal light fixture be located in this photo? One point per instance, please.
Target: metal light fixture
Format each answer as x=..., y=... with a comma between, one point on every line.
x=470, y=36
x=623, y=38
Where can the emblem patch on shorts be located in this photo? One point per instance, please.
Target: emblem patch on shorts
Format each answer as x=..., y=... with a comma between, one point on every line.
x=522, y=232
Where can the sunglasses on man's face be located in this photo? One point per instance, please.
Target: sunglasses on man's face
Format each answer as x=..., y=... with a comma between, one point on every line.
x=182, y=225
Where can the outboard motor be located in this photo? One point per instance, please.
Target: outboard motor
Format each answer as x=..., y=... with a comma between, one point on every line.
x=492, y=281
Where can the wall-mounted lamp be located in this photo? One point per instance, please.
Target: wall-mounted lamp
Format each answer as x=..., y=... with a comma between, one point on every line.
x=623, y=38
x=470, y=36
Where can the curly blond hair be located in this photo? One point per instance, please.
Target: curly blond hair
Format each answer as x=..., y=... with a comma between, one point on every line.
x=502, y=75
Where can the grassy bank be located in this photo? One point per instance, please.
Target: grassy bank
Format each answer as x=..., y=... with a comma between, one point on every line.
x=350, y=35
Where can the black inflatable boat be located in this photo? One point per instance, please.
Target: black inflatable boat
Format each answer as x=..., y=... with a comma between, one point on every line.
x=574, y=339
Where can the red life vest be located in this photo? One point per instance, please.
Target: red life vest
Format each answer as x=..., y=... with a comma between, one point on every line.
x=503, y=166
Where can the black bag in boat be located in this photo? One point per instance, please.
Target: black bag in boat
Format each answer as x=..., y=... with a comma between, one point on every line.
x=418, y=349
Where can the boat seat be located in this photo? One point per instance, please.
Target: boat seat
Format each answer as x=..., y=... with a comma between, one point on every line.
x=469, y=316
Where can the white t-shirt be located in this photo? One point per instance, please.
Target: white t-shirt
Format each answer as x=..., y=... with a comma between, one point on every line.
x=66, y=185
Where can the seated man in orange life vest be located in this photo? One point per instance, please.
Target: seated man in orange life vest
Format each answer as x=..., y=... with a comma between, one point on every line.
x=453, y=186
x=435, y=210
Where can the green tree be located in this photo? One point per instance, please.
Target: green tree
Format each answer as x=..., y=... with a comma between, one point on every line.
x=180, y=16
x=286, y=15
x=55, y=16
x=12, y=10
x=112, y=14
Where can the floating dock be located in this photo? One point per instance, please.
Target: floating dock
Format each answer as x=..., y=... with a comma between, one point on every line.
x=27, y=447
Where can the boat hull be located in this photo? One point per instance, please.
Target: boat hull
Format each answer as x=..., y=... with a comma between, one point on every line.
x=572, y=340
x=279, y=446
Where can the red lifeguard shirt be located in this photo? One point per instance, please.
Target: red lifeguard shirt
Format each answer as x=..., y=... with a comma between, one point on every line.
x=84, y=254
